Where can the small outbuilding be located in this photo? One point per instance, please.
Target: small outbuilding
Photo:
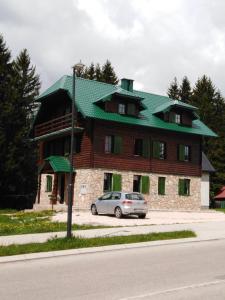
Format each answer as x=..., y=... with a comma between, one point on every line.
x=220, y=198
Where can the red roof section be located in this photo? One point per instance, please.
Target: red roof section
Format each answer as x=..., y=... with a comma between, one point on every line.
x=221, y=194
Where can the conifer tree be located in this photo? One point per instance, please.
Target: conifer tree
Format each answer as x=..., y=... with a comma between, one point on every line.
x=98, y=72
x=173, y=90
x=185, y=90
x=211, y=107
x=18, y=154
x=108, y=73
x=91, y=72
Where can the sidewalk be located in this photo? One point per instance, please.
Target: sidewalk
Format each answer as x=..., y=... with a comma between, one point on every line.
x=204, y=231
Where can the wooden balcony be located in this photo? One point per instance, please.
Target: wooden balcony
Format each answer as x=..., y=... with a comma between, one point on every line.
x=53, y=125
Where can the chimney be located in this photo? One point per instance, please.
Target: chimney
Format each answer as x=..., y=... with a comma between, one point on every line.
x=127, y=84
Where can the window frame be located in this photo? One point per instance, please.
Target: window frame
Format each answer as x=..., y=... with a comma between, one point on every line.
x=48, y=186
x=156, y=145
x=184, y=187
x=122, y=111
x=184, y=153
x=138, y=184
x=138, y=147
x=107, y=182
x=161, y=186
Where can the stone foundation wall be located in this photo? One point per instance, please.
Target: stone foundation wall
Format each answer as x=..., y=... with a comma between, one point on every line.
x=89, y=186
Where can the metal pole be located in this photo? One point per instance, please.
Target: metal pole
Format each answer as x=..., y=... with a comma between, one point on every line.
x=71, y=185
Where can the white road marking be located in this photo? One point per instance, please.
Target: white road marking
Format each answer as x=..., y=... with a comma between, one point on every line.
x=198, y=285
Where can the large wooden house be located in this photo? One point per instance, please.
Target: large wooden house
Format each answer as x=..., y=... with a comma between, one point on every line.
x=125, y=140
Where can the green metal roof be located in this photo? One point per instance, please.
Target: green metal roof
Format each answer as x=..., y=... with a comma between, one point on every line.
x=59, y=163
x=88, y=92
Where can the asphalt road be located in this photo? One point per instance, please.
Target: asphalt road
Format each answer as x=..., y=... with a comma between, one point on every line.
x=181, y=271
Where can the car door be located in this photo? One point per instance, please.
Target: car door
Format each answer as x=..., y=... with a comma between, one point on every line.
x=114, y=202
x=103, y=202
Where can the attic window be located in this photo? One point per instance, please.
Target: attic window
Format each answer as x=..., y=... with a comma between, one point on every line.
x=122, y=109
x=177, y=118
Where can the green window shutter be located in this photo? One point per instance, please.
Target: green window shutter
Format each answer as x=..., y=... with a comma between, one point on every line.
x=161, y=185
x=117, y=144
x=181, y=153
x=48, y=183
x=145, y=184
x=156, y=149
x=131, y=109
x=146, y=148
x=181, y=187
x=117, y=182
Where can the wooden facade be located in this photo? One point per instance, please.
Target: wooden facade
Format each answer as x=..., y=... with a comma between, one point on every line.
x=92, y=152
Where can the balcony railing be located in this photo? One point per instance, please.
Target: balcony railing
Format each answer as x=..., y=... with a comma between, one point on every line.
x=53, y=125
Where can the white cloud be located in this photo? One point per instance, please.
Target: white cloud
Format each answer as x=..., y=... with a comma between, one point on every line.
x=150, y=41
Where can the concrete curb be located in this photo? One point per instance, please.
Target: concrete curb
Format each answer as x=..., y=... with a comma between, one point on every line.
x=60, y=253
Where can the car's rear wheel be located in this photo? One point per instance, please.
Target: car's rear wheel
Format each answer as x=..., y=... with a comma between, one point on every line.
x=142, y=216
x=118, y=212
x=94, y=210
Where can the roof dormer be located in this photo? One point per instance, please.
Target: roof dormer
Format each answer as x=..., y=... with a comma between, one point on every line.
x=177, y=112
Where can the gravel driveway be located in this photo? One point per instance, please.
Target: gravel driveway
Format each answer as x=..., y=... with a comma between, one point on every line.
x=152, y=218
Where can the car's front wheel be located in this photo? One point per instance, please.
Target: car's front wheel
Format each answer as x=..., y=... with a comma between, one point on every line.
x=94, y=210
x=118, y=212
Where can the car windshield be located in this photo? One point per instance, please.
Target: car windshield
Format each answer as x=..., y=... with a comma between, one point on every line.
x=134, y=196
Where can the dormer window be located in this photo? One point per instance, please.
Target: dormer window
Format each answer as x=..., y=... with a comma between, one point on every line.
x=122, y=108
x=177, y=118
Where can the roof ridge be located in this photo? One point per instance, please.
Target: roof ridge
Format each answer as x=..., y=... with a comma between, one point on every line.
x=92, y=80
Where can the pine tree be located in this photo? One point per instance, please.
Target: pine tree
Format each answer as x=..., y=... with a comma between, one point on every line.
x=91, y=72
x=173, y=90
x=18, y=155
x=185, y=90
x=108, y=73
x=6, y=109
x=211, y=107
x=98, y=72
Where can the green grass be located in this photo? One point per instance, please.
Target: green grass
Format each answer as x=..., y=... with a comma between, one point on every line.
x=34, y=222
x=220, y=209
x=78, y=242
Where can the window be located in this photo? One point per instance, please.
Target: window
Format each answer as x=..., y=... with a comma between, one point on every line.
x=112, y=182
x=106, y=196
x=177, y=118
x=133, y=196
x=122, y=109
x=142, y=147
x=107, y=182
x=184, y=187
x=109, y=143
x=137, y=183
x=161, y=185
x=141, y=184
x=131, y=109
x=48, y=187
x=113, y=144
x=138, y=147
x=116, y=196
x=184, y=153
x=159, y=150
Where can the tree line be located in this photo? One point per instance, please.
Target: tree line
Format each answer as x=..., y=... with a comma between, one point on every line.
x=211, y=110
x=105, y=73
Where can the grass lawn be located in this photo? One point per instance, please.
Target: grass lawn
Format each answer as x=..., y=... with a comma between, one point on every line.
x=220, y=209
x=14, y=222
x=78, y=242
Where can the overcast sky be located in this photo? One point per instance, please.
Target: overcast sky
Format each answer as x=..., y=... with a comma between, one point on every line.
x=150, y=41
